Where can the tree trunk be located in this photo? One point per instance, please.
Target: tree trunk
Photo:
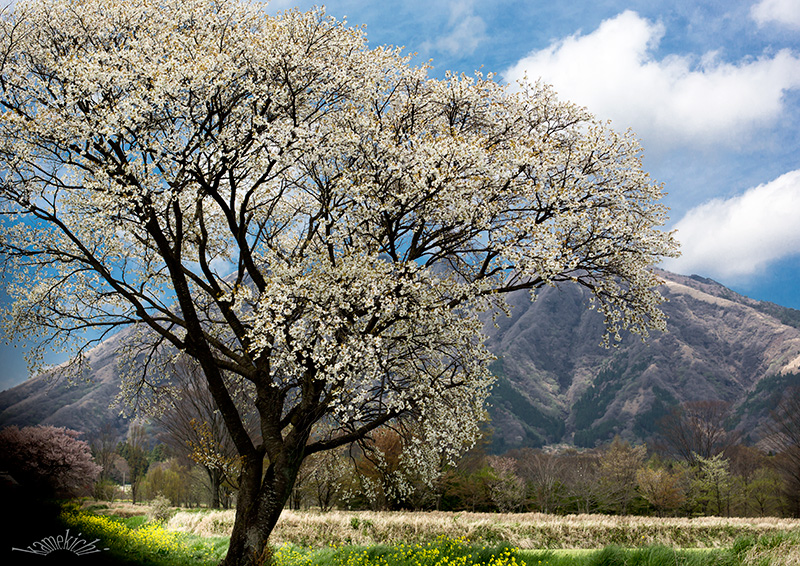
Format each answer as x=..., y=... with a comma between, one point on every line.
x=258, y=508
x=215, y=478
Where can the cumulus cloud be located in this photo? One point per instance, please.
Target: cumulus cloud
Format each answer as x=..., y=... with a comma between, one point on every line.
x=782, y=12
x=738, y=237
x=672, y=101
x=466, y=31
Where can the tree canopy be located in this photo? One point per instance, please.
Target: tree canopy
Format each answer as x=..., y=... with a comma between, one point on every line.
x=312, y=221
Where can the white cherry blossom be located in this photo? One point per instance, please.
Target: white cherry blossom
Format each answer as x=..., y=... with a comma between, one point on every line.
x=314, y=220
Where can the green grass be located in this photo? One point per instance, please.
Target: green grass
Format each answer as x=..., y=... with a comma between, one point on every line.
x=616, y=556
x=132, y=522
x=134, y=540
x=454, y=553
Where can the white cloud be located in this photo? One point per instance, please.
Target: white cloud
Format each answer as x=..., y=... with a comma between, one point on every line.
x=466, y=31
x=781, y=12
x=738, y=237
x=673, y=101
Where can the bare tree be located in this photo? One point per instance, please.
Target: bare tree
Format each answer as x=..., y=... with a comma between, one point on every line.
x=103, y=444
x=542, y=472
x=134, y=450
x=581, y=476
x=506, y=488
x=784, y=438
x=619, y=463
x=697, y=428
x=121, y=468
x=193, y=426
x=664, y=489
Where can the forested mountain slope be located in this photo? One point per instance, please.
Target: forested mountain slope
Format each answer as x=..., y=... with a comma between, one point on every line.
x=556, y=383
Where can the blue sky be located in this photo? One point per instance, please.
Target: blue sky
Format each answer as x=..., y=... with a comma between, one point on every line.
x=712, y=89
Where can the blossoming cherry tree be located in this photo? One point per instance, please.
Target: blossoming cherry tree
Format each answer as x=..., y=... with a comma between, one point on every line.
x=315, y=223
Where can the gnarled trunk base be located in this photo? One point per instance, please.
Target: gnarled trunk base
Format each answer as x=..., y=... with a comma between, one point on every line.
x=258, y=508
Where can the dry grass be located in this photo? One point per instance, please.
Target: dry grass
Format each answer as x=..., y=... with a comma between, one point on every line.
x=785, y=554
x=119, y=508
x=524, y=531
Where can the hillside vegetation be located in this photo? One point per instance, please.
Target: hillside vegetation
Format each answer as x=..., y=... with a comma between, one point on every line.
x=556, y=384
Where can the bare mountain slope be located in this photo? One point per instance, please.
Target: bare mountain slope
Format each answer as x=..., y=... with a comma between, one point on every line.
x=558, y=385
x=83, y=406
x=555, y=382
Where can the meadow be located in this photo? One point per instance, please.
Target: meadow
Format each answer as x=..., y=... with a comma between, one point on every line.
x=525, y=531
x=340, y=538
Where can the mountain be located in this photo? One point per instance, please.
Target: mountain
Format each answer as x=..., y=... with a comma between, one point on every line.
x=84, y=405
x=556, y=383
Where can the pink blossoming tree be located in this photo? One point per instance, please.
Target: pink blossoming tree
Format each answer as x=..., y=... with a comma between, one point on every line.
x=49, y=458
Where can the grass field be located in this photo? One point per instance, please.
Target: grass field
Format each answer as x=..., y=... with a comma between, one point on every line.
x=520, y=530
x=199, y=537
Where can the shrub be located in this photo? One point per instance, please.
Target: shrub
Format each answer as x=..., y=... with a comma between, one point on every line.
x=159, y=509
x=105, y=490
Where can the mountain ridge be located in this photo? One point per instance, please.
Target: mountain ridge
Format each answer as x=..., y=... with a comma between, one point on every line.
x=555, y=382
x=719, y=346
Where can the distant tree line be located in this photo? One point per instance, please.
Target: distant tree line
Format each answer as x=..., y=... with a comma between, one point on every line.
x=696, y=467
